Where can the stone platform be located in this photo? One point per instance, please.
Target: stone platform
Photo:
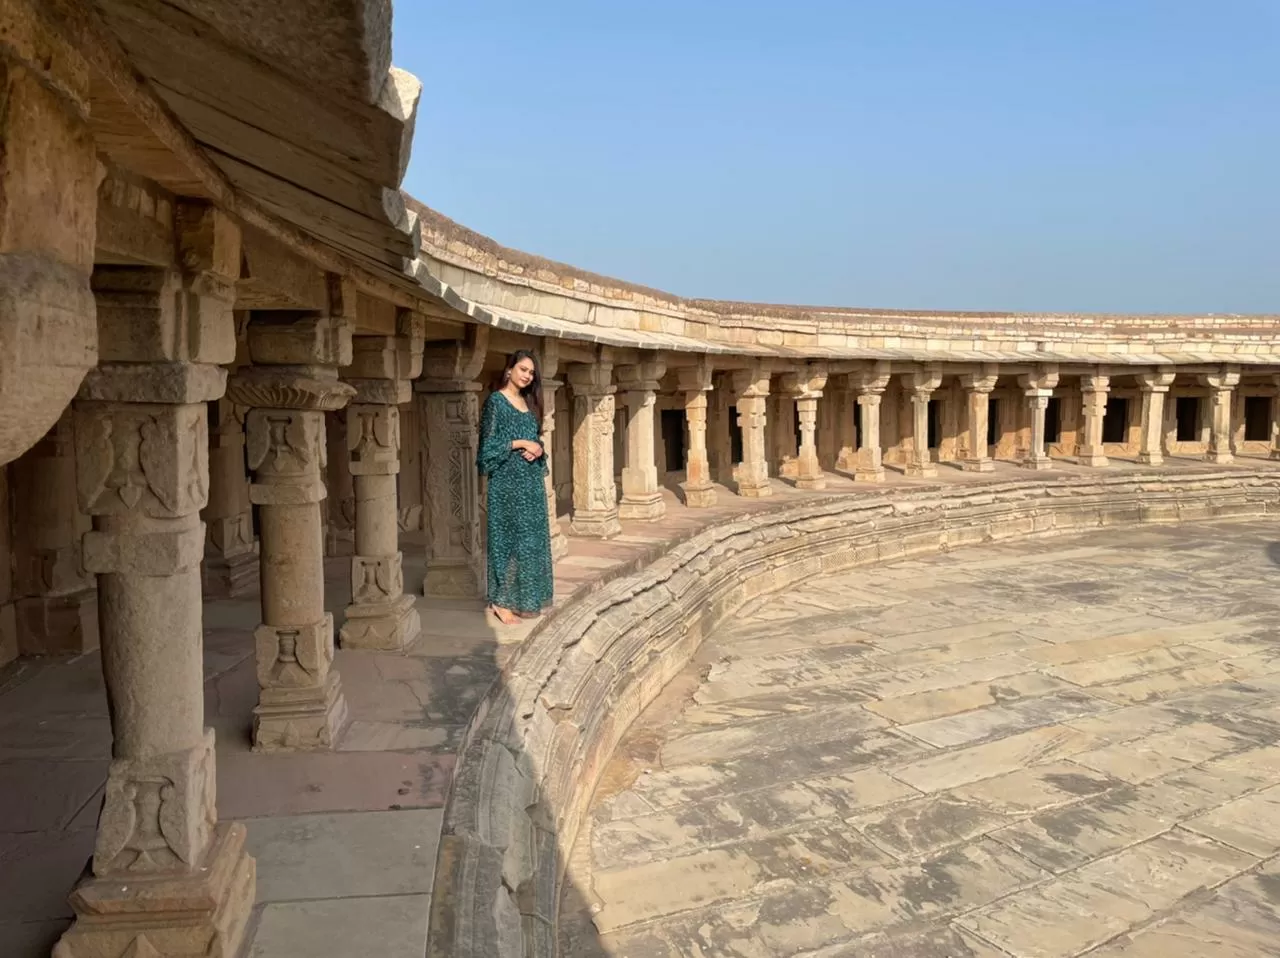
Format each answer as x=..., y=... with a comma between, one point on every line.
x=1008, y=751
x=346, y=841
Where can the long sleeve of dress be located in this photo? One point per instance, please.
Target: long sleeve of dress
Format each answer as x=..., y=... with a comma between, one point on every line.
x=495, y=440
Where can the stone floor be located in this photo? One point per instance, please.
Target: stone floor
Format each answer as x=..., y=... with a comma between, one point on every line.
x=1035, y=749
x=345, y=841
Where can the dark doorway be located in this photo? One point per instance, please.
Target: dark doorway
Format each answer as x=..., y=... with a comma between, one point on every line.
x=735, y=437
x=673, y=438
x=993, y=422
x=1257, y=418
x=1053, y=421
x=857, y=425
x=1186, y=410
x=935, y=423
x=1115, y=424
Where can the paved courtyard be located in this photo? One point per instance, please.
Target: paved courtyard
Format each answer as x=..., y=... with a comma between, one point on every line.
x=1040, y=749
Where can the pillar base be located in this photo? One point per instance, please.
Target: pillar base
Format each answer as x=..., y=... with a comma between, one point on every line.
x=812, y=483
x=58, y=624
x=1220, y=458
x=1151, y=458
x=596, y=525
x=389, y=627
x=978, y=465
x=1094, y=461
x=788, y=468
x=918, y=471
x=699, y=496
x=229, y=577
x=847, y=462
x=869, y=475
x=451, y=580
x=178, y=916
x=306, y=719
x=1037, y=465
x=643, y=508
x=755, y=491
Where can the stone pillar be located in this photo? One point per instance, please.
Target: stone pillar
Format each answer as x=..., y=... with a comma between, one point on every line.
x=695, y=383
x=1275, y=417
x=595, y=496
x=1155, y=386
x=978, y=386
x=751, y=387
x=846, y=433
x=1038, y=386
x=641, y=494
x=919, y=387
x=1094, y=387
x=805, y=389
x=338, y=511
x=449, y=421
x=57, y=610
x=230, y=550
x=380, y=615
x=549, y=368
x=1220, y=386
x=290, y=387
x=166, y=878
x=868, y=385
x=48, y=212
x=719, y=439
x=781, y=432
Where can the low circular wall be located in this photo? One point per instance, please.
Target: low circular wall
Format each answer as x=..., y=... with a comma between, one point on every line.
x=539, y=741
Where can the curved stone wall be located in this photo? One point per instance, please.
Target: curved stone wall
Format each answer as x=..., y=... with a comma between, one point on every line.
x=510, y=289
x=539, y=741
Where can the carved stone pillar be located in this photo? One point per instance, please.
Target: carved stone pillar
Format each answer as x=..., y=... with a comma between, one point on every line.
x=868, y=385
x=338, y=511
x=292, y=384
x=641, y=494
x=48, y=211
x=805, y=389
x=167, y=878
x=380, y=615
x=1038, y=386
x=719, y=435
x=449, y=415
x=978, y=386
x=1155, y=386
x=595, y=496
x=751, y=475
x=919, y=387
x=1093, y=399
x=549, y=367
x=1220, y=386
x=695, y=383
x=846, y=428
x=781, y=431
x=58, y=608
x=230, y=551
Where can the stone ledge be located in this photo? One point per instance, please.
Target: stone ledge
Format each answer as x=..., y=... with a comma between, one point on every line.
x=537, y=744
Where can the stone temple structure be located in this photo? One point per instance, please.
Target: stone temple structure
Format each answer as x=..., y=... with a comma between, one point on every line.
x=231, y=349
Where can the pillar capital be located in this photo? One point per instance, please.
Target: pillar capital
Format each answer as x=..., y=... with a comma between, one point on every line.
x=921, y=382
x=288, y=340
x=1157, y=380
x=549, y=357
x=807, y=383
x=642, y=376
x=385, y=357
x=1226, y=378
x=981, y=380
x=696, y=378
x=752, y=382
x=871, y=379
x=591, y=379
x=460, y=361
x=1041, y=381
x=1097, y=380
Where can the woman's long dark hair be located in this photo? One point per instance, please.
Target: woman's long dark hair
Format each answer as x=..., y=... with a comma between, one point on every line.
x=532, y=394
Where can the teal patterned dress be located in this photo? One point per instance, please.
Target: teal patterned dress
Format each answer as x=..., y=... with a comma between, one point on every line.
x=520, y=571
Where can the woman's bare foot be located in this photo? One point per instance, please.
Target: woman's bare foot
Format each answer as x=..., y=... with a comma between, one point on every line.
x=505, y=616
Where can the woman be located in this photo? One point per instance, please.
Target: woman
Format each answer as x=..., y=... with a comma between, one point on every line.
x=512, y=457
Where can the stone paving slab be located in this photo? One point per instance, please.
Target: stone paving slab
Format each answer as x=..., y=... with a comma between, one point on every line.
x=389, y=927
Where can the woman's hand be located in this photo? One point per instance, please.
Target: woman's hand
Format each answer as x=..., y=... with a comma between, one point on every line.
x=530, y=451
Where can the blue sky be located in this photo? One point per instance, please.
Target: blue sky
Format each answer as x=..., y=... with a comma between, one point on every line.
x=1098, y=155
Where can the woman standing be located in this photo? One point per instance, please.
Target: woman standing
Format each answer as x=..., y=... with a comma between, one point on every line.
x=512, y=457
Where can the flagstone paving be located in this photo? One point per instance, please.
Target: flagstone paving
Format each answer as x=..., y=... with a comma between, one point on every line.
x=1035, y=749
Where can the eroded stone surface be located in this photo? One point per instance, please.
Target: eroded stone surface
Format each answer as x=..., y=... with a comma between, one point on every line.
x=982, y=754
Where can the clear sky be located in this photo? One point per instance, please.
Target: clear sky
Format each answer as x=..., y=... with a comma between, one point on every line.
x=1098, y=155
